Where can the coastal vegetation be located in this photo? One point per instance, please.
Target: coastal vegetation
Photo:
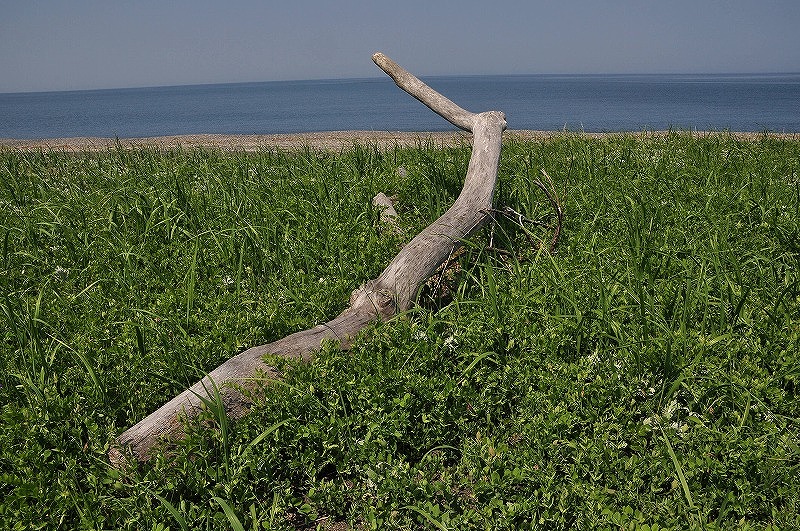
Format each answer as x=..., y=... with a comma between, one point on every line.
x=642, y=376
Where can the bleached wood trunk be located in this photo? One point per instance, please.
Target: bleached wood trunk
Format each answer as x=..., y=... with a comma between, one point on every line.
x=394, y=290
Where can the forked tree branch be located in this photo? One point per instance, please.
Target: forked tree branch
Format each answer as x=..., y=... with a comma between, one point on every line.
x=394, y=290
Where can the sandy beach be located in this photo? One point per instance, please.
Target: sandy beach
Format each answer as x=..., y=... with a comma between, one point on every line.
x=331, y=140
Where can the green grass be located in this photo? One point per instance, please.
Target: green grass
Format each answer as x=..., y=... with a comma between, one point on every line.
x=644, y=376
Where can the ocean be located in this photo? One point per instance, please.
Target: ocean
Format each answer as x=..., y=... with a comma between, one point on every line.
x=591, y=103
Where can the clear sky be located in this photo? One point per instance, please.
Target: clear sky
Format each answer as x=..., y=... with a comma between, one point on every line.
x=83, y=44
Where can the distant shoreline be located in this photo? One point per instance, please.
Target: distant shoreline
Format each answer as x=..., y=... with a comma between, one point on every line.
x=330, y=140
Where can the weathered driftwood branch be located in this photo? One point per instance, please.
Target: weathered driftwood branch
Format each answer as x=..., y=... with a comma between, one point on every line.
x=388, y=213
x=394, y=290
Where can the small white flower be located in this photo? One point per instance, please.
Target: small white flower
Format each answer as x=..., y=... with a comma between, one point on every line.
x=451, y=343
x=670, y=409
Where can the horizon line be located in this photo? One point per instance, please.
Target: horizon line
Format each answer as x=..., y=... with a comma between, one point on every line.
x=379, y=77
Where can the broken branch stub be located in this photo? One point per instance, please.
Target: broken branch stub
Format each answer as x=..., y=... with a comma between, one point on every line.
x=388, y=213
x=394, y=289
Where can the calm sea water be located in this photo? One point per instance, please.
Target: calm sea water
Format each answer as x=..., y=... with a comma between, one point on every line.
x=542, y=102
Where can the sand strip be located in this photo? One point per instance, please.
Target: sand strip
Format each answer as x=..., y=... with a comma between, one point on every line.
x=332, y=140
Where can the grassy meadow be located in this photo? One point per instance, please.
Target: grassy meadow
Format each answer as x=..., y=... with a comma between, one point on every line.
x=644, y=376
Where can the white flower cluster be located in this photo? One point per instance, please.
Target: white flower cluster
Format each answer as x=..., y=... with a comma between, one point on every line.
x=670, y=417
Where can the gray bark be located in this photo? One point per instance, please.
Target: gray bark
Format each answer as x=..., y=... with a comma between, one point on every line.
x=388, y=213
x=394, y=289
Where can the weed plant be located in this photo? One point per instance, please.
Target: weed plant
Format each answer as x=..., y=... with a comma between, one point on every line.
x=643, y=376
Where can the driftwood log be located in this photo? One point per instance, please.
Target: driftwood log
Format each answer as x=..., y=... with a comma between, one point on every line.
x=393, y=291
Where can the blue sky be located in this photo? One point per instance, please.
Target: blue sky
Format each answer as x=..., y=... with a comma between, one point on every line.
x=84, y=44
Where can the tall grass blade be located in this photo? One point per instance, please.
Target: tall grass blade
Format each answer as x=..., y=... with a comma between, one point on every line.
x=232, y=518
x=436, y=523
x=435, y=448
x=678, y=470
x=173, y=511
x=216, y=406
x=86, y=365
x=192, y=279
x=478, y=359
x=264, y=434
